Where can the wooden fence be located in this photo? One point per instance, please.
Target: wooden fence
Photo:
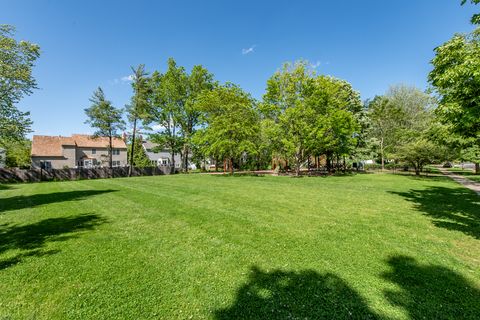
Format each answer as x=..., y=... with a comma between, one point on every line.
x=37, y=175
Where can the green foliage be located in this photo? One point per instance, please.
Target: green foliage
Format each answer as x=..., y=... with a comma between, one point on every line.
x=456, y=79
x=175, y=97
x=105, y=118
x=232, y=123
x=18, y=153
x=140, y=158
x=17, y=60
x=314, y=114
x=397, y=119
x=419, y=153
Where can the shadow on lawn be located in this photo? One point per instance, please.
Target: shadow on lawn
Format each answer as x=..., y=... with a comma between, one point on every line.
x=296, y=295
x=21, y=202
x=450, y=208
x=32, y=237
x=431, y=291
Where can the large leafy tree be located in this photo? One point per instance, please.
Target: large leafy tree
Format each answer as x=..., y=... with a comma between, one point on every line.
x=175, y=97
x=285, y=102
x=231, y=124
x=337, y=108
x=139, y=110
x=17, y=59
x=169, y=91
x=105, y=118
x=456, y=79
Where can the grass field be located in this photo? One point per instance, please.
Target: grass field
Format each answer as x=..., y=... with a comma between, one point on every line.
x=470, y=174
x=376, y=246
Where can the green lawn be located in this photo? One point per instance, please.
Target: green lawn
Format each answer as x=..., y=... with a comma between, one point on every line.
x=197, y=246
x=470, y=174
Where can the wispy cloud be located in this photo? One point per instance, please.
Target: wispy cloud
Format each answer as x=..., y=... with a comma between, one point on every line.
x=319, y=63
x=123, y=79
x=248, y=50
x=127, y=78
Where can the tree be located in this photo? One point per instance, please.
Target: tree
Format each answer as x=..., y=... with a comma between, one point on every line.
x=188, y=115
x=105, y=118
x=456, y=79
x=419, y=153
x=175, y=95
x=168, y=99
x=17, y=60
x=140, y=159
x=139, y=109
x=18, y=153
x=399, y=117
x=285, y=103
x=337, y=110
x=231, y=123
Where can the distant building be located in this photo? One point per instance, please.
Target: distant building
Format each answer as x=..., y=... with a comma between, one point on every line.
x=79, y=150
x=161, y=157
x=3, y=155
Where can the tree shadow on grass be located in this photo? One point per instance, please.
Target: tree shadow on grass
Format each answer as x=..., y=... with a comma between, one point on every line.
x=21, y=202
x=431, y=291
x=455, y=209
x=296, y=295
x=31, y=238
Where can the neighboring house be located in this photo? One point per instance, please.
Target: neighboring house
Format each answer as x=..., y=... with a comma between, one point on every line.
x=3, y=156
x=160, y=157
x=79, y=150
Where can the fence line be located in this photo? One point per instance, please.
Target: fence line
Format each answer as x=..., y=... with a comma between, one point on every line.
x=37, y=175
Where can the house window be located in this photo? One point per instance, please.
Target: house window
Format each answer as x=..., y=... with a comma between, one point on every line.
x=116, y=163
x=94, y=151
x=116, y=152
x=47, y=165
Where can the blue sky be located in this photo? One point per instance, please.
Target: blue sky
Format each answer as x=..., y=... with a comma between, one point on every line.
x=85, y=44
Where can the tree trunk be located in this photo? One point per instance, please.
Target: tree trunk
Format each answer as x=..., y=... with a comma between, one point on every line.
x=381, y=152
x=231, y=166
x=477, y=168
x=110, y=160
x=185, y=154
x=132, y=151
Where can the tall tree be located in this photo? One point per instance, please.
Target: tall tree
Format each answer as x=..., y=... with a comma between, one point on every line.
x=231, y=123
x=285, y=103
x=456, y=80
x=169, y=92
x=139, y=108
x=188, y=115
x=105, y=118
x=17, y=60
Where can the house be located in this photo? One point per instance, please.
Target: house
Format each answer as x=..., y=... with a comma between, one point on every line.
x=3, y=156
x=79, y=150
x=160, y=157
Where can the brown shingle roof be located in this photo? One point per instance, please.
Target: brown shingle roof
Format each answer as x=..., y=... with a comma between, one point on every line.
x=51, y=146
x=88, y=141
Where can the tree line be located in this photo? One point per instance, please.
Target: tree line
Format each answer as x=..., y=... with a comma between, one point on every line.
x=302, y=117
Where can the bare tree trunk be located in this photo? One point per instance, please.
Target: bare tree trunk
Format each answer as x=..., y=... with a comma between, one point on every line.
x=110, y=160
x=381, y=152
x=231, y=166
x=132, y=151
x=185, y=154
x=477, y=168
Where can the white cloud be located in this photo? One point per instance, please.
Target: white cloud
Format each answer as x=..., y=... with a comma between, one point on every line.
x=248, y=50
x=127, y=78
x=315, y=65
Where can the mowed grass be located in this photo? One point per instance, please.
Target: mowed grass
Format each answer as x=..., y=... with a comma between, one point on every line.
x=376, y=246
